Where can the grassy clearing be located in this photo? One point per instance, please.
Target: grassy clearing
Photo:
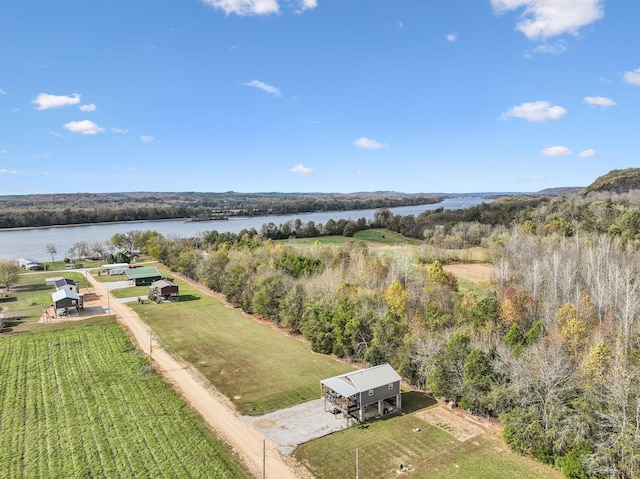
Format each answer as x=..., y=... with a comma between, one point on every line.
x=465, y=286
x=76, y=403
x=372, y=236
x=131, y=292
x=256, y=366
x=430, y=453
x=107, y=278
x=386, y=237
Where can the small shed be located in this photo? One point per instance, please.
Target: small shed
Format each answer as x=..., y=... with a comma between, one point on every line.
x=352, y=394
x=143, y=276
x=164, y=289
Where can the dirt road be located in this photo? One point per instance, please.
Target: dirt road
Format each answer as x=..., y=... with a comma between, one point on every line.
x=201, y=396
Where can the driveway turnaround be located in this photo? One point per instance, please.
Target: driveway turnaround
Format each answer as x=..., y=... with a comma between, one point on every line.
x=295, y=425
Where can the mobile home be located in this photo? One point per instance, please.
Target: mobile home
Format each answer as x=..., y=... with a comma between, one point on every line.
x=115, y=268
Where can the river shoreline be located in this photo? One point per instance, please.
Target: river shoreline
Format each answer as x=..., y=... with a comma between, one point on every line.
x=32, y=242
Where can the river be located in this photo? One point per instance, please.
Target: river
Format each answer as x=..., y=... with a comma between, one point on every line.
x=32, y=242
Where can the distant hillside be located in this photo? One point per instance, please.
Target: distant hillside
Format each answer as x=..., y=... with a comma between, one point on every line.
x=616, y=181
x=561, y=191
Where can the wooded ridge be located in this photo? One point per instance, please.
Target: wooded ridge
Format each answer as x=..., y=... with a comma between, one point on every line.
x=78, y=208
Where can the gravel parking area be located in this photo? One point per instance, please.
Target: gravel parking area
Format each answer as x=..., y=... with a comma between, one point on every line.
x=290, y=427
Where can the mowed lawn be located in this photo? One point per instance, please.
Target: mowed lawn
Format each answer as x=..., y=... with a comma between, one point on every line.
x=255, y=365
x=373, y=237
x=77, y=403
x=425, y=451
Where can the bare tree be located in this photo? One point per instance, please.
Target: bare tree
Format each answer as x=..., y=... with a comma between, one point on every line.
x=97, y=249
x=533, y=280
x=596, y=260
x=545, y=379
x=618, y=419
x=628, y=303
x=52, y=250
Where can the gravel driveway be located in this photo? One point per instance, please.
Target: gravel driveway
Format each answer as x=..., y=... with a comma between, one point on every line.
x=290, y=427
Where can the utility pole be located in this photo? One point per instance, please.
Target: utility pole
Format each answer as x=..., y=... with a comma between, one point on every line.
x=264, y=457
x=357, y=466
x=151, y=338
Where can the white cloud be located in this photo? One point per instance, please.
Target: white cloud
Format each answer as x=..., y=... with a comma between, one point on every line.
x=46, y=101
x=599, y=101
x=632, y=77
x=452, y=37
x=590, y=153
x=306, y=5
x=2, y=92
x=300, y=168
x=549, y=18
x=556, y=151
x=4, y=171
x=147, y=139
x=84, y=127
x=2, y=152
x=463, y=174
x=263, y=86
x=87, y=108
x=119, y=131
x=132, y=169
x=555, y=48
x=369, y=144
x=362, y=173
x=400, y=25
x=538, y=111
x=245, y=7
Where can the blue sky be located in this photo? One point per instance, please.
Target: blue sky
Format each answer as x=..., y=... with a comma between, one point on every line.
x=316, y=95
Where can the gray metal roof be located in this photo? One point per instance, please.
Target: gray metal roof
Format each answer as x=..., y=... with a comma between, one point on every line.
x=363, y=379
x=63, y=293
x=161, y=283
x=340, y=386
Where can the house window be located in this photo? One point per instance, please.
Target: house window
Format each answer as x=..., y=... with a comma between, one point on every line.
x=391, y=386
x=370, y=392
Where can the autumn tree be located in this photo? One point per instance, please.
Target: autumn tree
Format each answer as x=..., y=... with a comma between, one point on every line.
x=573, y=330
x=396, y=298
x=438, y=275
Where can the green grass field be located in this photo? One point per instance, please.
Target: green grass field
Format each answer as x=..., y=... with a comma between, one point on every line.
x=77, y=403
x=372, y=236
x=256, y=366
x=430, y=453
